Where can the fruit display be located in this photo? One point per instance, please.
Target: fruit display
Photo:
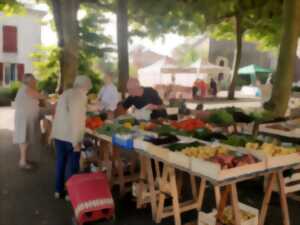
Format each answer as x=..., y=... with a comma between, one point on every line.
x=228, y=218
x=93, y=122
x=221, y=155
x=271, y=149
x=188, y=125
x=221, y=118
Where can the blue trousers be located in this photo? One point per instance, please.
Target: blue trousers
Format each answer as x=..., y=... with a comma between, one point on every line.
x=67, y=163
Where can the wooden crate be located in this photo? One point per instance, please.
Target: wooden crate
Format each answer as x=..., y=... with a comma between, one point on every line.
x=179, y=159
x=158, y=151
x=210, y=218
x=278, y=161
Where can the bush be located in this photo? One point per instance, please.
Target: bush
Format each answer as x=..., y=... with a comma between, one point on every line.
x=5, y=96
x=48, y=85
x=14, y=87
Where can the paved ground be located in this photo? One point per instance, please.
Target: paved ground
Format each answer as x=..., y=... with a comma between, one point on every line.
x=27, y=198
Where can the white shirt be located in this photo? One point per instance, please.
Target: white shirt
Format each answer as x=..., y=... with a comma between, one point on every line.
x=109, y=97
x=70, y=116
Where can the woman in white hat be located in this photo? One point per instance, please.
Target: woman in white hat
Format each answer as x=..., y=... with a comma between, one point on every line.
x=27, y=118
x=68, y=130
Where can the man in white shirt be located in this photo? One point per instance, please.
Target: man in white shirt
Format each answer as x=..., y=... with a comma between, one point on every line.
x=68, y=130
x=108, y=96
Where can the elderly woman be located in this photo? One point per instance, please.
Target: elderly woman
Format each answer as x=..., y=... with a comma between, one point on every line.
x=68, y=131
x=27, y=118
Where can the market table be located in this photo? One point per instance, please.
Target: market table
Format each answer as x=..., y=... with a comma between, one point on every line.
x=165, y=184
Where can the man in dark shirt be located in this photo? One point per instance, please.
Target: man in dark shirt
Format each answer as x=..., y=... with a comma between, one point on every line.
x=143, y=97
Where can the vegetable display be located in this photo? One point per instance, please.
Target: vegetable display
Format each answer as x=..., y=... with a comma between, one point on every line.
x=162, y=139
x=188, y=125
x=220, y=155
x=221, y=118
x=93, y=122
x=271, y=149
x=180, y=146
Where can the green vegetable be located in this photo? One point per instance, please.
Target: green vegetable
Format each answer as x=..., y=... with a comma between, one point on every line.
x=181, y=146
x=221, y=118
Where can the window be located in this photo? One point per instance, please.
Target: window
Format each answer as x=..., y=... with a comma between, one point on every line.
x=10, y=73
x=221, y=63
x=9, y=39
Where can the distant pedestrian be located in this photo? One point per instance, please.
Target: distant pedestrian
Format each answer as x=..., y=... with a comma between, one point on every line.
x=195, y=89
x=213, y=87
x=202, y=86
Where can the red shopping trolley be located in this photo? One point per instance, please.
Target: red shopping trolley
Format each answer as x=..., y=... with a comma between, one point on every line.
x=90, y=197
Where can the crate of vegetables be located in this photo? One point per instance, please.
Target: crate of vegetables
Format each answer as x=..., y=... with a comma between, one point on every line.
x=275, y=155
x=220, y=162
x=249, y=216
x=177, y=157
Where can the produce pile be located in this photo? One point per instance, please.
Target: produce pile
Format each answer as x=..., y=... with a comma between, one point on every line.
x=110, y=129
x=180, y=146
x=93, y=122
x=188, y=125
x=271, y=149
x=221, y=155
x=228, y=218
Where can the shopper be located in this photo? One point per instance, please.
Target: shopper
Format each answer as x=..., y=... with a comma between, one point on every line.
x=108, y=96
x=68, y=131
x=27, y=130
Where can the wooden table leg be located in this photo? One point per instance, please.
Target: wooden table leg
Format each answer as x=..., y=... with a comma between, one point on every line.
x=193, y=186
x=267, y=197
x=152, y=189
x=217, y=195
x=141, y=183
x=283, y=200
x=162, y=197
x=175, y=197
x=235, y=204
x=201, y=194
x=223, y=202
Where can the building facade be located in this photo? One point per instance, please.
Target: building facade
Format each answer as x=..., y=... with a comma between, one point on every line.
x=20, y=35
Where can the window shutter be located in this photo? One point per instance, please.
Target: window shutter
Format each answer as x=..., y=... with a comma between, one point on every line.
x=20, y=70
x=1, y=74
x=10, y=39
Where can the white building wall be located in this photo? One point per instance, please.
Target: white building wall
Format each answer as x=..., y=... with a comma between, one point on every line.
x=28, y=37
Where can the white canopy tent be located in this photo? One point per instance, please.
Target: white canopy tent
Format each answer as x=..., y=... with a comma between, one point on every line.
x=165, y=73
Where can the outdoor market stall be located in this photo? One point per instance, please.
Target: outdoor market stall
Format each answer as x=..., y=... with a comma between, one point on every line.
x=164, y=181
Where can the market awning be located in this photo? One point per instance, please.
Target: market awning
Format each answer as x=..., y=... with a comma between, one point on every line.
x=200, y=66
x=253, y=69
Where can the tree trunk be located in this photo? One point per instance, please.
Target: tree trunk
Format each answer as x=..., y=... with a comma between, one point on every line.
x=287, y=58
x=122, y=38
x=237, y=54
x=65, y=17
